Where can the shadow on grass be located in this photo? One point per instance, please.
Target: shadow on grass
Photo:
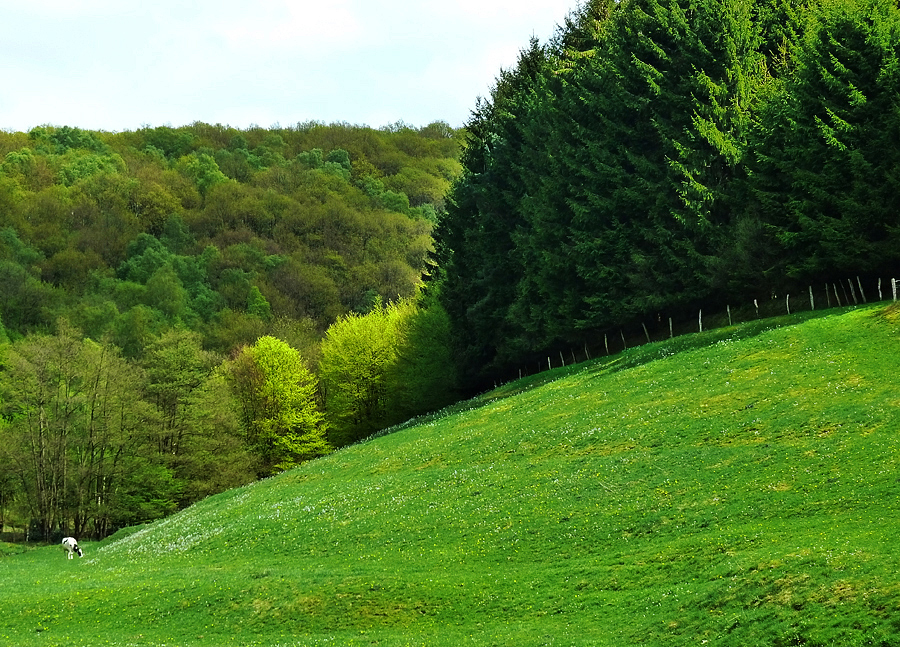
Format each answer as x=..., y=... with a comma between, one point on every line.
x=649, y=352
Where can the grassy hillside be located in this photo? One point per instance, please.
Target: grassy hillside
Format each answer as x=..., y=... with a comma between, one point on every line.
x=738, y=487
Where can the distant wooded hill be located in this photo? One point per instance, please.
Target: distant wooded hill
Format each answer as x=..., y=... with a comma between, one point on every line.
x=227, y=232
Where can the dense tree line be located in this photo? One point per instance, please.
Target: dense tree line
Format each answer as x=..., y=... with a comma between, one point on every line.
x=658, y=155
x=168, y=299
x=92, y=440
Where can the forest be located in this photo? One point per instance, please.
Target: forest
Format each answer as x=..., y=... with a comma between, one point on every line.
x=184, y=310
x=659, y=156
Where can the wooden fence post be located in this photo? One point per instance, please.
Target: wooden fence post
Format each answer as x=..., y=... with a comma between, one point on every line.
x=756, y=305
x=624, y=345
x=836, y=295
x=880, y=296
x=812, y=299
x=671, y=334
x=606, y=342
x=852, y=292
x=587, y=353
x=729, y=315
x=827, y=296
x=787, y=303
x=646, y=334
x=561, y=360
x=894, y=288
x=700, y=320
x=862, y=293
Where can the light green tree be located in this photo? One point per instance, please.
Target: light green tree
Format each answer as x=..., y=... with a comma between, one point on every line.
x=203, y=170
x=277, y=401
x=358, y=353
x=385, y=366
x=258, y=305
x=166, y=293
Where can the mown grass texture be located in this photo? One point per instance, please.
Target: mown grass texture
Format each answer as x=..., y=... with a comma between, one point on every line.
x=737, y=487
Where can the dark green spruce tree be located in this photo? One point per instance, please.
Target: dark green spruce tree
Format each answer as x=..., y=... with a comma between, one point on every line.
x=598, y=181
x=648, y=135
x=825, y=168
x=474, y=244
x=550, y=298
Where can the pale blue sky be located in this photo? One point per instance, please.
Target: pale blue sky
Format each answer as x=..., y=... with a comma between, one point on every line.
x=120, y=64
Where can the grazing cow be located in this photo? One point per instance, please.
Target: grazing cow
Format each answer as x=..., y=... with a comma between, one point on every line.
x=71, y=547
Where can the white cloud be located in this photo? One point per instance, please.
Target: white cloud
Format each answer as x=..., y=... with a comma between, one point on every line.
x=282, y=24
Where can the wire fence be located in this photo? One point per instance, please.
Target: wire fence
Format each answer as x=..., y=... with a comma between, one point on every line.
x=848, y=292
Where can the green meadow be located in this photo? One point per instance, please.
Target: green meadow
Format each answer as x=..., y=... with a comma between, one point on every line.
x=735, y=487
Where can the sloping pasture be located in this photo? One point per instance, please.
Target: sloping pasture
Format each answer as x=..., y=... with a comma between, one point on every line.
x=738, y=487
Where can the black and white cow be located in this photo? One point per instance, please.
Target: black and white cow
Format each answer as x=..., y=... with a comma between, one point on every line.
x=71, y=547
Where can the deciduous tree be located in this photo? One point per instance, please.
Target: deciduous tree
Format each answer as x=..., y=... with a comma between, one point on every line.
x=277, y=400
